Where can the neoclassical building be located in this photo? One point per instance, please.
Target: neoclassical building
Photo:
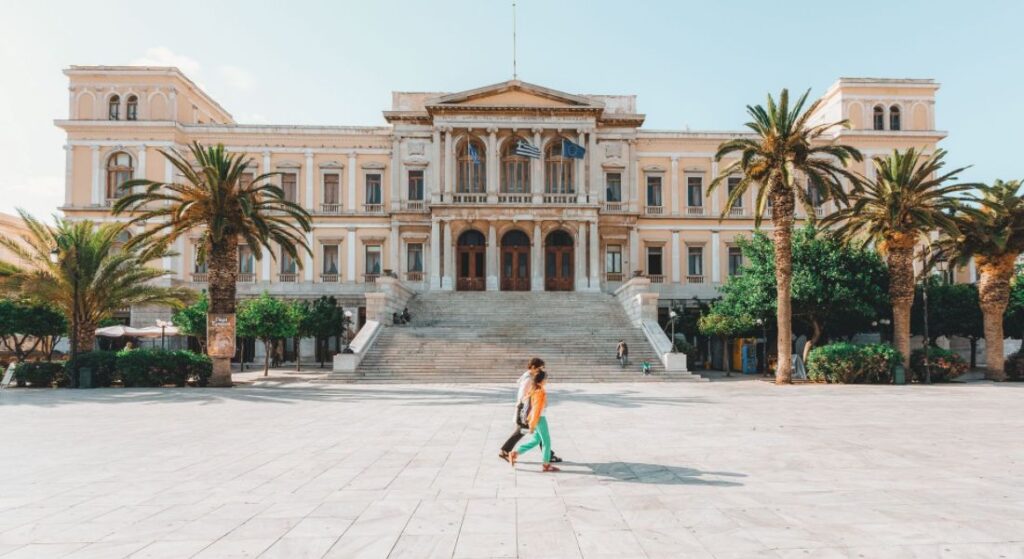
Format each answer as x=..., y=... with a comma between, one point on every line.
x=445, y=196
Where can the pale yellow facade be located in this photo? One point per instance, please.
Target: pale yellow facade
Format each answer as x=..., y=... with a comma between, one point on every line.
x=407, y=197
x=12, y=227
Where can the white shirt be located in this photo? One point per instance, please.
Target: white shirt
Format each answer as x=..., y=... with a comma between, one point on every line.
x=525, y=384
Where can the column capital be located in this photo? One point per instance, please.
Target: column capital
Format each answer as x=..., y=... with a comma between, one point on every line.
x=537, y=130
x=94, y=148
x=308, y=153
x=675, y=160
x=492, y=130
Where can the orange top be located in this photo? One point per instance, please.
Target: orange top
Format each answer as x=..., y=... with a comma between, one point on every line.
x=538, y=398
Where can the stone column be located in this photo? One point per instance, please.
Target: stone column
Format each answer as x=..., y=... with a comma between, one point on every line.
x=435, y=167
x=350, y=264
x=449, y=167
x=492, y=165
x=716, y=265
x=676, y=257
x=537, y=256
x=179, y=247
x=309, y=172
x=582, y=283
x=98, y=195
x=266, y=167
x=674, y=188
x=351, y=202
x=594, y=178
x=69, y=159
x=492, y=258
x=448, y=281
x=308, y=258
x=716, y=195
x=393, y=254
x=140, y=171
x=595, y=251
x=582, y=187
x=435, y=255
x=634, y=251
x=630, y=184
x=264, y=265
x=396, y=173
x=537, y=178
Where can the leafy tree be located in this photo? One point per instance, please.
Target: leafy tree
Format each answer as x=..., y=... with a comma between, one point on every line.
x=266, y=319
x=953, y=310
x=324, y=320
x=786, y=146
x=994, y=238
x=1013, y=320
x=909, y=197
x=214, y=200
x=191, y=320
x=25, y=325
x=94, y=273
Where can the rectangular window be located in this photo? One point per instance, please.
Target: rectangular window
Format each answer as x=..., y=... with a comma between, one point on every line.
x=373, y=262
x=373, y=189
x=613, y=187
x=330, y=259
x=245, y=180
x=733, y=183
x=695, y=261
x=288, y=264
x=735, y=260
x=694, y=192
x=414, y=257
x=198, y=267
x=416, y=185
x=246, y=262
x=289, y=183
x=613, y=259
x=653, y=191
x=332, y=189
x=654, y=261
x=813, y=194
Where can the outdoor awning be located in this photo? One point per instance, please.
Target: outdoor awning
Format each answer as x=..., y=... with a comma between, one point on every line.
x=128, y=331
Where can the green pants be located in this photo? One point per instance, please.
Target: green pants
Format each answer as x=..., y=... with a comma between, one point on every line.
x=540, y=437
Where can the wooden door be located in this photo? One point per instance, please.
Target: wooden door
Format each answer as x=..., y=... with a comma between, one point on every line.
x=515, y=268
x=472, y=268
x=559, y=265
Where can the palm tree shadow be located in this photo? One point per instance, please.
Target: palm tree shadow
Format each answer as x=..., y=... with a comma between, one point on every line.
x=657, y=474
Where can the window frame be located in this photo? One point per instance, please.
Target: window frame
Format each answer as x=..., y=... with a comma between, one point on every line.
x=336, y=176
x=337, y=258
x=691, y=251
x=608, y=186
x=700, y=191
x=730, y=252
x=377, y=249
x=416, y=183
x=371, y=179
x=651, y=251
x=613, y=259
x=651, y=180
x=409, y=248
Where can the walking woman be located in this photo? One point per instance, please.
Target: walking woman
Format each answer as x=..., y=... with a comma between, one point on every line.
x=538, y=423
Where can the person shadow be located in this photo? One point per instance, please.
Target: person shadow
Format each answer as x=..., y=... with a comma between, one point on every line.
x=657, y=474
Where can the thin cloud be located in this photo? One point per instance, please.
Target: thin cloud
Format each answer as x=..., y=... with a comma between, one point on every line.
x=237, y=77
x=163, y=56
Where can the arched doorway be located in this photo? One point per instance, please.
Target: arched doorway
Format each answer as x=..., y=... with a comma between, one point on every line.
x=515, y=261
x=470, y=257
x=558, y=261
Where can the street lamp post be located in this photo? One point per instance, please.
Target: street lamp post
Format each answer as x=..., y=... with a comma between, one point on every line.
x=764, y=342
x=348, y=326
x=672, y=317
x=163, y=324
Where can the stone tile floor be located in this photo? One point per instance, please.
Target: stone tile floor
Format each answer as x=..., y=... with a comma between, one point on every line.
x=708, y=470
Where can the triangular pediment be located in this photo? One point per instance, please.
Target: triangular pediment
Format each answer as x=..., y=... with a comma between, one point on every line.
x=513, y=93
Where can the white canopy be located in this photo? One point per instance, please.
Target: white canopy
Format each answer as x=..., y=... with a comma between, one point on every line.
x=148, y=332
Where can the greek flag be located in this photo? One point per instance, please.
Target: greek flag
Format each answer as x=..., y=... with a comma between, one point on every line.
x=572, y=150
x=526, y=149
x=474, y=154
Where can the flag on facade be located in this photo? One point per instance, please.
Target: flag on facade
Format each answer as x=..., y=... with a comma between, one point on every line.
x=572, y=150
x=526, y=149
x=474, y=154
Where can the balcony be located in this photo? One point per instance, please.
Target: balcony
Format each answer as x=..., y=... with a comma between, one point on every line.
x=819, y=212
x=613, y=276
x=737, y=212
x=246, y=277
x=695, y=279
x=200, y=277
x=414, y=205
x=414, y=277
x=330, y=209
x=559, y=198
x=515, y=198
x=370, y=278
x=109, y=202
x=287, y=277
x=615, y=207
x=696, y=211
x=469, y=197
x=329, y=278
x=373, y=208
x=656, y=278
x=654, y=210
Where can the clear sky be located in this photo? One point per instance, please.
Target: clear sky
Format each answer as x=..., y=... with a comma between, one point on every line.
x=691, y=64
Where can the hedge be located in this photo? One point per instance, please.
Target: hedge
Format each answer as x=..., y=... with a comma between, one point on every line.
x=156, y=367
x=41, y=374
x=1014, y=367
x=103, y=365
x=848, y=363
x=946, y=365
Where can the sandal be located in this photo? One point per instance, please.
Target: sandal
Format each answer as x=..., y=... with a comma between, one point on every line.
x=503, y=455
x=550, y=468
x=512, y=457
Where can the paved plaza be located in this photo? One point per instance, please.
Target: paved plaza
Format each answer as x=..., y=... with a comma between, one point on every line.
x=701, y=470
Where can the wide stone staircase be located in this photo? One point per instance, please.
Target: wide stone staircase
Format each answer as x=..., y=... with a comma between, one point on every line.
x=489, y=336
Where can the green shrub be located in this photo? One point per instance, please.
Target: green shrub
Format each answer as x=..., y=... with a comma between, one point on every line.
x=847, y=363
x=157, y=367
x=690, y=350
x=946, y=365
x=1014, y=367
x=102, y=363
x=41, y=374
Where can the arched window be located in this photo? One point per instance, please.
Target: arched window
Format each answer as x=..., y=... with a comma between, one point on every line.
x=515, y=168
x=472, y=238
x=559, y=238
x=114, y=107
x=894, y=118
x=559, y=171
x=472, y=166
x=515, y=238
x=119, y=171
x=132, y=108
x=879, y=115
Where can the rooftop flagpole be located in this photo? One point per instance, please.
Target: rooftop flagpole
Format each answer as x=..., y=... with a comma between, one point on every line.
x=515, y=74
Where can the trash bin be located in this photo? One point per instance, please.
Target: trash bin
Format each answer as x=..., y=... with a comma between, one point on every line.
x=899, y=375
x=85, y=377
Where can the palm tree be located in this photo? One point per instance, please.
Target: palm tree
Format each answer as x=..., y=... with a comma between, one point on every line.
x=213, y=198
x=785, y=145
x=83, y=269
x=994, y=238
x=908, y=198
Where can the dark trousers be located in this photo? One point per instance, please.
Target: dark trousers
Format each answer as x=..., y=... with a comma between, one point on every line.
x=510, y=444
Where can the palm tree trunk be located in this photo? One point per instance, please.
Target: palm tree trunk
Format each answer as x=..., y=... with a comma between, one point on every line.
x=994, y=295
x=222, y=261
x=86, y=337
x=782, y=219
x=899, y=251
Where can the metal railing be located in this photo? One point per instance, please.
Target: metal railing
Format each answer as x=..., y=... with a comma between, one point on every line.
x=414, y=206
x=246, y=277
x=559, y=198
x=819, y=211
x=696, y=211
x=200, y=277
x=656, y=278
x=654, y=210
x=695, y=279
x=414, y=276
x=370, y=278
x=287, y=277
x=514, y=198
x=469, y=197
x=614, y=206
x=330, y=208
x=329, y=278
x=373, y=208
x=737, y=212
x=613, y=276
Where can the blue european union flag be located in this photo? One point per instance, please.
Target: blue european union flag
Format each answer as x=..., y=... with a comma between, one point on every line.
x=474, y=154
x=572, y=150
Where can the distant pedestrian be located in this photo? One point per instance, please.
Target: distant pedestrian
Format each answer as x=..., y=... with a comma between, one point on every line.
x=406, y=317
x=622, y=353
x=525, y=385
x=538, y=424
